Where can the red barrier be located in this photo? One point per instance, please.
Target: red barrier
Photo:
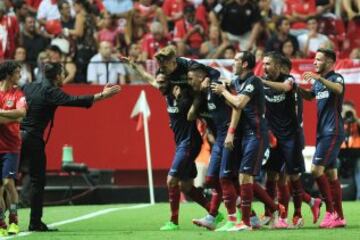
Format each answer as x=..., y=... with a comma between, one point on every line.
x=104, y=136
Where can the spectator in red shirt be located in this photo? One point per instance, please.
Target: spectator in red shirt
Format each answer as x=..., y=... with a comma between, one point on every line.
x=298, y=11
x=173, y=10
x=9, y=30
x=109, y=31
x=151, y=12
x=154, y=41
x=12, y=109
x=189, y=33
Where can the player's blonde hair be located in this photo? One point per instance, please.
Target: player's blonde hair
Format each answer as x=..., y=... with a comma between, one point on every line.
x=166, y=53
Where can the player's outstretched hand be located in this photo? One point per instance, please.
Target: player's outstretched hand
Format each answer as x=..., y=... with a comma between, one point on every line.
x=307, y=76
x=110, y=90
x=217, y=88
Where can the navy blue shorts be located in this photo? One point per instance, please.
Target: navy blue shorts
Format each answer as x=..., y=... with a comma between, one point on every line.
x=327, y=150
x=183, y=165
x=287, y=156
x=252, y=153
x=223, y=162
x=9, y=163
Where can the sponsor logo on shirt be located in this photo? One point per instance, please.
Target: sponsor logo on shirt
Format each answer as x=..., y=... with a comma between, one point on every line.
x=322, y=95
x=276, y=98
x=211, y=106
x=249, y=88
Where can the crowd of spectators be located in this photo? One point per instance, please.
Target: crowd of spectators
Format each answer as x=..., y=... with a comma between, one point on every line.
x=90, y=36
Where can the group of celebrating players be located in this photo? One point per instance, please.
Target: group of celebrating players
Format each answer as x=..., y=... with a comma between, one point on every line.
x=248, y=115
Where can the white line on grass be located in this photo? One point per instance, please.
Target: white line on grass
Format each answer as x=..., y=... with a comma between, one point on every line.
x=81, y=218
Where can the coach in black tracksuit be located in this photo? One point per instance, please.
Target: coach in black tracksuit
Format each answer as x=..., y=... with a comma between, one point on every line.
x=43, y=98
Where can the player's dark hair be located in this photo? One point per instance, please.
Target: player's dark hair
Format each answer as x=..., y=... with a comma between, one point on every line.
x=328, y=53
x=275, y=56
x=10, y=67
x=249, y=58
x=280, y=21
x=198, y=67
x=285, y=61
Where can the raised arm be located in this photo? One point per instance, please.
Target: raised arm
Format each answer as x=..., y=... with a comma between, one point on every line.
x=335, y=87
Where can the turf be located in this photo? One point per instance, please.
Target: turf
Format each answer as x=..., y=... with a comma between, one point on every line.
x=144, y=224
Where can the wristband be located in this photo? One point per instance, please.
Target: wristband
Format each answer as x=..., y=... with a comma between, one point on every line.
x=231, y=130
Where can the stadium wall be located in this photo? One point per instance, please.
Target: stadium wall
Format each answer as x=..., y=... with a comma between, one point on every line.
x=104, y=136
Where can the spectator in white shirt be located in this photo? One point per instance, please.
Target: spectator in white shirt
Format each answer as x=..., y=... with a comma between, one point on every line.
x=311, y=41
x=105, y=68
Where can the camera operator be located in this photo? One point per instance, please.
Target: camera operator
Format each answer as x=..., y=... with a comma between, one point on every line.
x=352, y=138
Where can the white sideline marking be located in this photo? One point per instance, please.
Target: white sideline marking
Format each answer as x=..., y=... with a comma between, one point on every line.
x=81, y=218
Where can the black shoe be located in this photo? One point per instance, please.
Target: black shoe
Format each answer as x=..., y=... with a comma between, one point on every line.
x=41, y=227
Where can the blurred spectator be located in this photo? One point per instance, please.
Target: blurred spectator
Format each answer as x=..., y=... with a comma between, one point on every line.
x=151, y=12
x=48, y=10
x=206, y=14
x=21, y=11
x=355, y=53
x=173, y=10
x=42, y=59
x=214, y=47
x=57, y=56
x=352, y=137
x=33, y=5
x=351, y=8
x=105, y=68
x=259, y=54
x=108, y=31
x=84, y=34
x=135, y=28
x=288, y=49
x=26, y=76
x=281, y=35
x=241, y=11
x=67, y=21
x=325, y=6
x=32, y=41
x=118, y=7
x=277, y=7
x=310, y=42
x=266, y=13
x=154, y=41
x=229, y=52
x=298, y=11
x=189, y=33
x=9, y=30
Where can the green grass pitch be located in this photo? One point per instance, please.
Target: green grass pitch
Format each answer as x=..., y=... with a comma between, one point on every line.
x=144, y=223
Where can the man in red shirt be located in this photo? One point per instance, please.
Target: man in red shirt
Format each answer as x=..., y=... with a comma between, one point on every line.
x=12, y=109
x=189, y=33
x=154, y=41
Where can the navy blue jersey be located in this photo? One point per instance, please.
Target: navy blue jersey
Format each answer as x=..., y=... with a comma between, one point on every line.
x=219, y=111
x=329, y=106
x=281, y=109
x=182, y=69
x=253, y=115
x=185, y=132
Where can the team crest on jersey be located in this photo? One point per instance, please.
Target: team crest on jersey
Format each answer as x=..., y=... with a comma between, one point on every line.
x=249, y=88
x=9, y=103
x=339, y=80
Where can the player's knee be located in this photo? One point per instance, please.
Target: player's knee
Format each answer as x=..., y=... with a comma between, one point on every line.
x=185, y=187
x=171, y=182
x=316, y=172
